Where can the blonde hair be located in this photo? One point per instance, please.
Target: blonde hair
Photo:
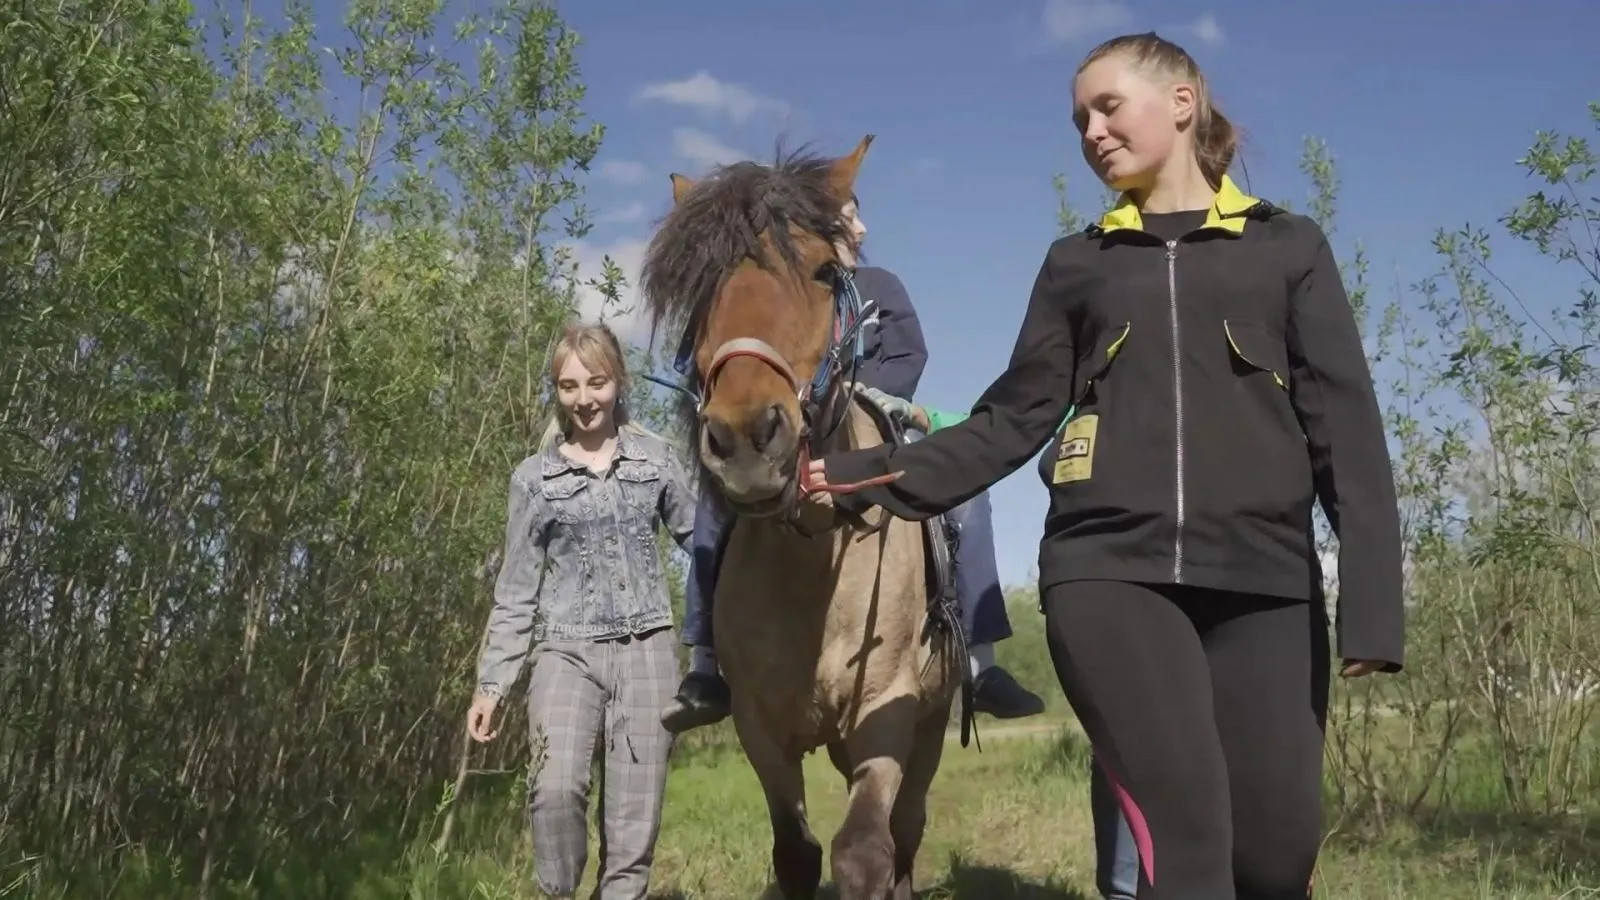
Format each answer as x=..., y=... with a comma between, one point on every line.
x=597, y=347
x=1215, y=141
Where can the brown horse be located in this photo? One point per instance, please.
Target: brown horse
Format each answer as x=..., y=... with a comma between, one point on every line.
x=821, y=618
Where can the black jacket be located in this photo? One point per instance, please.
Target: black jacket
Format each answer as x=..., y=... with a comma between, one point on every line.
x=1219, y=386
x=894, y=353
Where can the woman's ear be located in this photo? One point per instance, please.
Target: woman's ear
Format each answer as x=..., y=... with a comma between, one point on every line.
x=1184, y=106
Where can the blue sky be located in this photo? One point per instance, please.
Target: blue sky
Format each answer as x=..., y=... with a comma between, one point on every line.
x=1425, y=106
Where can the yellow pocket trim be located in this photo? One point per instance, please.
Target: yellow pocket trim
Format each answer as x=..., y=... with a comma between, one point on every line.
x=1228, y=330
x=1112, y=349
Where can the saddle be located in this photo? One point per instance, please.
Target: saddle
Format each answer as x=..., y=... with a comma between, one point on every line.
x=939, y=539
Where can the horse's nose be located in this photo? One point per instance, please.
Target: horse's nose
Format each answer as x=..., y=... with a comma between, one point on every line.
x=766, y=430
x=762, y=436
x=720, y=439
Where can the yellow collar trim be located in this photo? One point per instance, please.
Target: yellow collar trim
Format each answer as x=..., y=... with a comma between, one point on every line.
x=1226, y=213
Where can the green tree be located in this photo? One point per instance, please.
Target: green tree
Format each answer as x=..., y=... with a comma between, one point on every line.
x=269, y=365
x=1493, y=411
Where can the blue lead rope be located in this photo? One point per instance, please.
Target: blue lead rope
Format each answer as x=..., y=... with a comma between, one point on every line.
x=680, y=364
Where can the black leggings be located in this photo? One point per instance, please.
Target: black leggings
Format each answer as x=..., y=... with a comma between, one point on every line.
x=1207, y=710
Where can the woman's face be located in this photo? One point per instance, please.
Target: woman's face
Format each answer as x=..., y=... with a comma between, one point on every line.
x=588, y=398
x=1129, y=122
x=852, y=217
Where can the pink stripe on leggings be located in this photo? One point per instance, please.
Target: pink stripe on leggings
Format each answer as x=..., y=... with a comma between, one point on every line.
x=1136, y=824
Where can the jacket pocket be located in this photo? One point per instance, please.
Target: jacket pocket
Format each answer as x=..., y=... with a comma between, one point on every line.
x=1258, y=349
x=568, y=496
x=640, y=484
x=1095, y=367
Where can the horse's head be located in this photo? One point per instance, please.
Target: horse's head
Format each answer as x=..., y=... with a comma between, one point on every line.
x=748, y=262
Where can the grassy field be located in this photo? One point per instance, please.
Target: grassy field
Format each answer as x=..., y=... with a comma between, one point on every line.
x=1011, y=821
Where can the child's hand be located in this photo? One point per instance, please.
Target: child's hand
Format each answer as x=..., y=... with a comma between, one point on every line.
x=480, y=716
x=889, y=403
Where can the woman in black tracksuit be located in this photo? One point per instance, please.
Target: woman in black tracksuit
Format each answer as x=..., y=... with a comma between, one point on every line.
x=1218, y=387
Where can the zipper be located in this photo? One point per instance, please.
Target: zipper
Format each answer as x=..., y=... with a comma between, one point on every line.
x=1177, y=396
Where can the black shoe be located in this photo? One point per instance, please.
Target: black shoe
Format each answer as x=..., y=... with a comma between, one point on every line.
x=995, y=692
x=703, y=699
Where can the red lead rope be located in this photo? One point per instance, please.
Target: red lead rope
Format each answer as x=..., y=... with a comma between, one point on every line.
x=804, y=464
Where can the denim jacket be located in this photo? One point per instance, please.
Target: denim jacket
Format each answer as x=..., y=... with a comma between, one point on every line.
x=581, y=561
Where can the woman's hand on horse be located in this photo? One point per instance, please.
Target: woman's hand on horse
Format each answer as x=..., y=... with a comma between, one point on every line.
x=816, y=475
x=481, y=717
x=1355, y=668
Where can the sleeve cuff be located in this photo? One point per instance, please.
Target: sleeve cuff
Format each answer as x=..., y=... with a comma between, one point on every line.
x=855, y=466
x=1357, y=646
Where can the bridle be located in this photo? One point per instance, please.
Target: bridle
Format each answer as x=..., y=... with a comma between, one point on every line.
x=824, y=401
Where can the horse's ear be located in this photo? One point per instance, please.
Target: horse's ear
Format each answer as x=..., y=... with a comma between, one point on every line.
x=842, y=178
x=681, y=187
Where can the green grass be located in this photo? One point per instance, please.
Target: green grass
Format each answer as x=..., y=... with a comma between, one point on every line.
x=1010, y=822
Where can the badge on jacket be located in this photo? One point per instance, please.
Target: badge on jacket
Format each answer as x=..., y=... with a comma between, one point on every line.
x=1075, y=458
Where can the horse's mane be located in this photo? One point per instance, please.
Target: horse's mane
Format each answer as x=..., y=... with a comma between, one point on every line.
x=720, y=223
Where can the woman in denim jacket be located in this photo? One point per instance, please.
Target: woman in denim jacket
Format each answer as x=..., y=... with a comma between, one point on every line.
x=582, y=583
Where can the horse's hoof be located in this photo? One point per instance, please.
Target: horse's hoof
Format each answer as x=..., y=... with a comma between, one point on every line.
x=796, y=860
x=863, y=871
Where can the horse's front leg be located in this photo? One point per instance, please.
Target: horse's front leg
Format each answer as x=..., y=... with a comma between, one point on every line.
x=796, y=852
x=863, y=849
x=910, y=815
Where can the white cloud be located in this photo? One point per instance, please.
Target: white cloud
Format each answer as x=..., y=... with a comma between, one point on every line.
x=623, y=171
x=1071, y=20
x=712, y=97
x=702, y=149
x=1208, y=30
x=633, y=212
x=626, y=315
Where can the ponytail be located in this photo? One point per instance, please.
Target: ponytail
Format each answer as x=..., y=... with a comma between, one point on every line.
x=1216, y=144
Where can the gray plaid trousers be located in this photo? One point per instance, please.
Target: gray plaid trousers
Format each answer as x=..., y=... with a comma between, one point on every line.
x=580, y=692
